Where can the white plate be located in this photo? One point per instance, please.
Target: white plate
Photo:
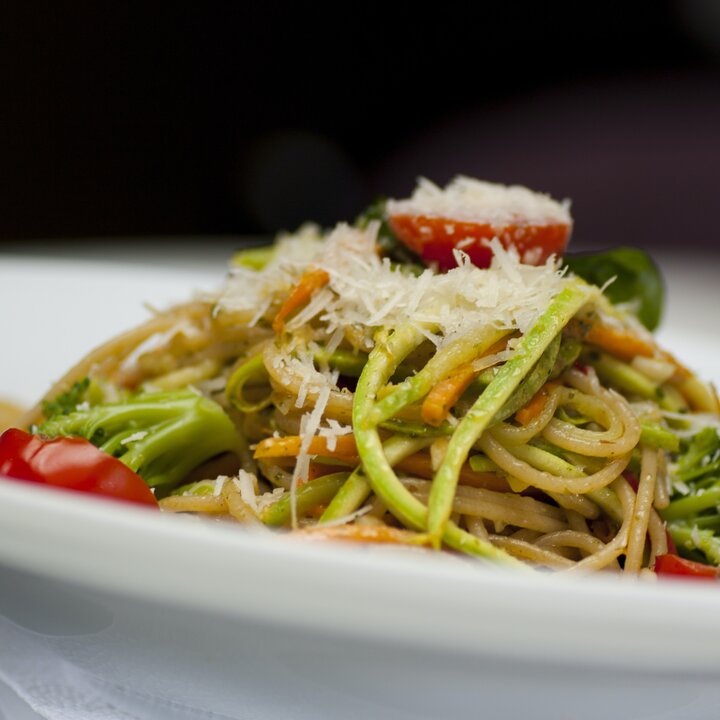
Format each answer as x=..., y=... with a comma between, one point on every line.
x=210, y=617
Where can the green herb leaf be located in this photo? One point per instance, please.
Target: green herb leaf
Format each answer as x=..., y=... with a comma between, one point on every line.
x=387, y=240
x=638, y=281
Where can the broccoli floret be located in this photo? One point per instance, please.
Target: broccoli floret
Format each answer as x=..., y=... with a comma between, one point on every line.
x=701, y=457
x=162, y=436
x=68, y=401
x=693, y=517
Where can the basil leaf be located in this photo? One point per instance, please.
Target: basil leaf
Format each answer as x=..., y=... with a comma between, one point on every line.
x=638, y=281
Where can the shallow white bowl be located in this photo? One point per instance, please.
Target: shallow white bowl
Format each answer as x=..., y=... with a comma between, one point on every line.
x=210, y=617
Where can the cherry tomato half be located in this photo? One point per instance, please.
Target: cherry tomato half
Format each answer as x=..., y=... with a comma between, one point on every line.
x=435, y=238
x=71, y=463
x=680, y=567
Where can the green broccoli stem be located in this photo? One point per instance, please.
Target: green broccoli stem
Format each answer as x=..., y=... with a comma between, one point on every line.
x=161, y=436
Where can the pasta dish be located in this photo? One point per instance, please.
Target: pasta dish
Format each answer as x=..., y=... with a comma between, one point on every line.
x=438, y=374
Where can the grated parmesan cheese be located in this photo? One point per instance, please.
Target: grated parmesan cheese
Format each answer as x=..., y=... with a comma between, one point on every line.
x=332, y=431
x=247, y=484
x=269, y=498
x=346, y=519
x=695, y=535
x=368, y=292
x=309, y=425
x=470, y=200
x=139, y=435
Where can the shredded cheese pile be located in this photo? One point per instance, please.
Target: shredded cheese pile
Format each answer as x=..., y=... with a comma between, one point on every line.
x=365, y=290
x=467, y=199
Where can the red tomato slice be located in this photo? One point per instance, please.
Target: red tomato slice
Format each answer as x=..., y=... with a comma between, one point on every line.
x=672, y=550
x=674, y=565
x=71, y=463
x=435, y=238
x=632, y=480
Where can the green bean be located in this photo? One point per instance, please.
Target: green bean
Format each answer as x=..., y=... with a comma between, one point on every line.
x=251, y=372
x=313, y=493
x=532, y=382
x=545, y=461
x=623, y=376
x=445, y=360
x=351, y=364
x=483, y=380
x=568, y=353
x=607, y=500
x=348, y=363
x=555, y=460
x=204, y=487
x=656, y=436
x=672, y=400
x=690, y=505
x=380, y=474
x=709, y=522
x=356, y=488
x=529, y=351
x=417, y=429
x=482, y=463
x=254, y=258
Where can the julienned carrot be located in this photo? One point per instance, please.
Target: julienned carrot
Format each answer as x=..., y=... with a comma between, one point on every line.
x=344, y=448
x=619, y=341
x=316, y=470
x=310, y=281
x=363, y=533
x=527, y=414
x=439, y=401
x=421, y=466
x=681, y=372
x=445, y=394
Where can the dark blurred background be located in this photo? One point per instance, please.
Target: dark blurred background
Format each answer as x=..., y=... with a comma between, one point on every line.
x=207, y=118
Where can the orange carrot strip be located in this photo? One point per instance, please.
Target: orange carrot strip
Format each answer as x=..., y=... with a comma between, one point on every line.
x=317, y=470
x=310, y=281
x=619, y=341
x=361, y=533
x=447, y=392
x=421, y=466
x=681, y=372
x=527, y=414
x=625, y=345
x=345, y=447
